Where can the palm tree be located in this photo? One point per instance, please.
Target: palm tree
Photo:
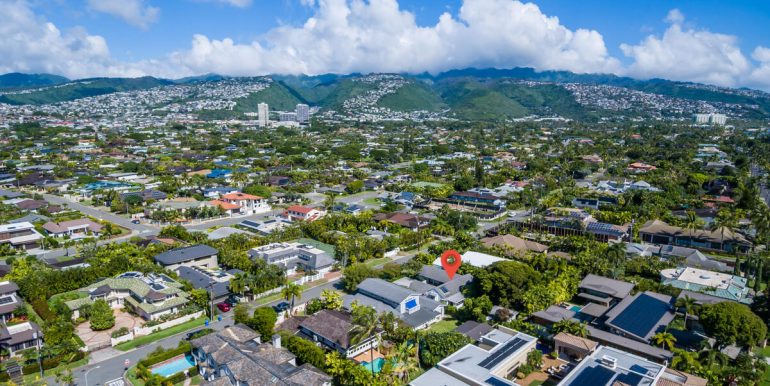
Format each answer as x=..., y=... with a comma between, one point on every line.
x=291, y=290
x=692, y=222
x=406, y=359
x=65, y=377
x=688, y=304
x=570, y=327
x=724, y=222
x=238, y=283
x=685, y=361
x=664, y=339
x=616, y=253
x=365, y=323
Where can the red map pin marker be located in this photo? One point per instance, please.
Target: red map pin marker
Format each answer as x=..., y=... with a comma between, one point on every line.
x=451, y=261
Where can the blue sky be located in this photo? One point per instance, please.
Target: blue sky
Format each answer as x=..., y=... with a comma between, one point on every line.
x=718, y=42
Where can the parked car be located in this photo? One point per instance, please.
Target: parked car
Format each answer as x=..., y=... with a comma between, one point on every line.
x=135, y=222
x=224, y=307
x=281, y=307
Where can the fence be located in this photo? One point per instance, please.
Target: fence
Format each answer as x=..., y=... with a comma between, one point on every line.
x=140, y=331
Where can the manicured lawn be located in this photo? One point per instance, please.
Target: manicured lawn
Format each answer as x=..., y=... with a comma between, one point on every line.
x=372, y=201
x=766, y=380
x=765, y=352
x=32, y=378
x=444, y=325
x=375, y=262
x=143, y=340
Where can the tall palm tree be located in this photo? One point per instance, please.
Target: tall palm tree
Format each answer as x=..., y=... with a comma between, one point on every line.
x=692, y=222
x=664, y=339
x=616, y=254
x=238, y=283
x=406, y=359
x=685, y=361
x=724, y=222
x=291, y=291
x=688, y=304
x=365, y=323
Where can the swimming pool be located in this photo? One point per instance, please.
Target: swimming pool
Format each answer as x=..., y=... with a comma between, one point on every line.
x=174, y=366
x=575, y=308
x=378, y=363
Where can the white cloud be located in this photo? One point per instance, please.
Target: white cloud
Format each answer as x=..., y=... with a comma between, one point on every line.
x=675, y=16
x=760, y=76
x=377, y=36
x=688, y=55
x=133, y=12
x=32, y=44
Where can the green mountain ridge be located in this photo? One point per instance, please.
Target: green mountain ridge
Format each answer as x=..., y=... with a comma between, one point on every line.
x=478, y=94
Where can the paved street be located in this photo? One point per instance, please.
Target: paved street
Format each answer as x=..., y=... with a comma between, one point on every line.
x=100, y=214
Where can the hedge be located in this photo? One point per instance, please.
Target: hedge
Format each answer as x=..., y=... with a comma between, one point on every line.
x=4, y=377
x=151, y=360
x=41, y=307
x=34, y=368
x=177, y=378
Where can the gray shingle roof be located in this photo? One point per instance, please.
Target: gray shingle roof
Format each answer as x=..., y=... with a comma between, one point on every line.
x=615, y=288
x=180, y=255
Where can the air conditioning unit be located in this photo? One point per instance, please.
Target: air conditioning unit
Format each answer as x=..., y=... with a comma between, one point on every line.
x=609, y=361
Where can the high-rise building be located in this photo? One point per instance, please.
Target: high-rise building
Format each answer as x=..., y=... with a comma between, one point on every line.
x=712, y=119
x=303, y=113
x=263, y=112
x=287, y=117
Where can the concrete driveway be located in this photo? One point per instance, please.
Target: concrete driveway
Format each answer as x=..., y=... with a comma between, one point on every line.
x=100, y=339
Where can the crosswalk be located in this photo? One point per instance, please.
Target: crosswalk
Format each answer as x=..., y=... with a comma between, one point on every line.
x=115, y=382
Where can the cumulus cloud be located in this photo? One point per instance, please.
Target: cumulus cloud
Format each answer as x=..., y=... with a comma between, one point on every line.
x=377, y=36
x=32, y=44
x=133, y=12
x=760, y=76
x=688, y=54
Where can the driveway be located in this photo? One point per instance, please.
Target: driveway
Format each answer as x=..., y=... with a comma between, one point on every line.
x=99, y=339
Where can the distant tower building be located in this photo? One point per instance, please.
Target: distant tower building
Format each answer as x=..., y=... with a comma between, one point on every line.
x=706, y=119
x=700, y=119
x=263, y=114
x=303, y=113
x=287, y=117
x=718, y=119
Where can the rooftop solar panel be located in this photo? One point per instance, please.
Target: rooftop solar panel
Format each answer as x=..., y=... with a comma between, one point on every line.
x=496, y=382
x=593, y=376
x=641, y=316
x=509, y=348
x=6, y=300
x=631, y=379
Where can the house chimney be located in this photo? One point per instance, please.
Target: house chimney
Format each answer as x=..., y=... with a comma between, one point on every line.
x=276, y=341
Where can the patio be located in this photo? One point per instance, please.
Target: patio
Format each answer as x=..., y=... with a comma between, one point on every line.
x=95, y=340
x=540, y=376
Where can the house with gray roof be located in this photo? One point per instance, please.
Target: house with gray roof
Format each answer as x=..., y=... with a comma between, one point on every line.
x=331, y=329
x=215, y=282
x=414, y=309
x=19, y=337
x=641, y=316
x=200, y=255
x=294, y=256
x=150, y=296
x=237, y=356
x=603, y=290
x=494, y=360
x=9, y=300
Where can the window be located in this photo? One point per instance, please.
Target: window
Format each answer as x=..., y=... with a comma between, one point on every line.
x=411, y=303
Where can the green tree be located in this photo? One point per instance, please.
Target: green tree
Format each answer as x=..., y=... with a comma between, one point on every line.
x=263, y=321
x=355, y=274
x=688, y=305
x=200, y=297
x=365, y=325
x=291, y=291
x=102, y=317
x=730, y=322
x=437, y=346
x=664, y=339
x=570, y=327
x=241, y=313
x=354, y=186
x=305, y=350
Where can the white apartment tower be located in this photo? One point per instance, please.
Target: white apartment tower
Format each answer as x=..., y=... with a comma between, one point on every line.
x=303, y=113
x=263, y=112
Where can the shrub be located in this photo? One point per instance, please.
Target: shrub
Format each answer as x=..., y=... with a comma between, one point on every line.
x=102, y=317
x=161, y=355
x=41, y=307
x=177, y=378
x=120, y=332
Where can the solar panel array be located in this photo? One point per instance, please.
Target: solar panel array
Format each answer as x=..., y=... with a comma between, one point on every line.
x=498, y=356
x=6, y=300
x=641, y=316
x=631, y=379
x=593, y=376
x=496, y=382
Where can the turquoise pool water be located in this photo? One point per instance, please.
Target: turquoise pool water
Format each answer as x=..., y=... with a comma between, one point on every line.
x=378, y=363
x=575, y=308
x=180, y=364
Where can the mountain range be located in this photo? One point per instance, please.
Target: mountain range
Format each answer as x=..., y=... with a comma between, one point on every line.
x=479, y=94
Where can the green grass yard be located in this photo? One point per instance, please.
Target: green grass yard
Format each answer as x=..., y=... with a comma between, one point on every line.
x=445, y=325
x=147, y=339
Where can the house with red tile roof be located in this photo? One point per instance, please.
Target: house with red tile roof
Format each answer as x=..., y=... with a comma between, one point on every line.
x=248, y=203
x=302, y=213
